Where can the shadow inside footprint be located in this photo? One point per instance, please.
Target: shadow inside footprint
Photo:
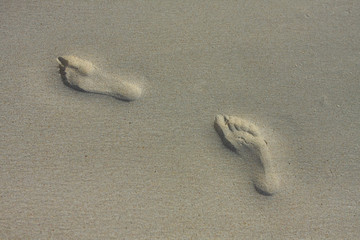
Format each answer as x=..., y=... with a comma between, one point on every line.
x=62, y=70
x=262, y=192
x=225, y=141
x=63, y=61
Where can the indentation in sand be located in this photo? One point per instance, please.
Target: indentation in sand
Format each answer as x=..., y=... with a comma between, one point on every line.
x=82, y=75
x=241, y=135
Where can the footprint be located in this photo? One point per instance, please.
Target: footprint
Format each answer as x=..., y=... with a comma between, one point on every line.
x=244, y=137
x=82, y=75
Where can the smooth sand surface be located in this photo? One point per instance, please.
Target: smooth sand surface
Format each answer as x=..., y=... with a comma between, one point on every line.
x=87, y=166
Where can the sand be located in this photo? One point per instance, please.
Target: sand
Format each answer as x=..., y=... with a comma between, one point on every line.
x=78, y=165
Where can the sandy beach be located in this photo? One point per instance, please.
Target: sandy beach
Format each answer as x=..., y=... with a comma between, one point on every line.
x=78, y=165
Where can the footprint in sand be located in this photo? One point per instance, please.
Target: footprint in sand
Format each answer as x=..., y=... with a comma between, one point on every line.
x=82, y=75
x=242, y=136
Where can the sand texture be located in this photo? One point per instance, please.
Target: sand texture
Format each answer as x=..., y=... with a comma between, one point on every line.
x=76, y=164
